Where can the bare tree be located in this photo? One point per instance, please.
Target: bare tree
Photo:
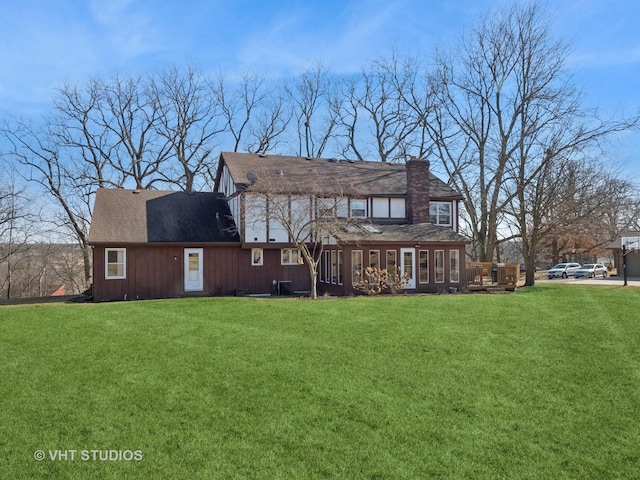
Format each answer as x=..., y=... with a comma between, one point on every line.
x=190, y=121
x=302, y=213
x=375, y=112
x=316, y=105
x=506, y=124
x=254, y=116
x=131, y=113
x=38, y=150
x=78, y=127
x=17, y=221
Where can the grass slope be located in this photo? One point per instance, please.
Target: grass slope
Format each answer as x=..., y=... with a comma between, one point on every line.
x=542, y=383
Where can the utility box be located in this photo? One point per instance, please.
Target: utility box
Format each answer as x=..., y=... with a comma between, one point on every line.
x=285, y=288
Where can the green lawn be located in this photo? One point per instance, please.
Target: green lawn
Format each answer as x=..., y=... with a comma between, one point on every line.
x=543, y=383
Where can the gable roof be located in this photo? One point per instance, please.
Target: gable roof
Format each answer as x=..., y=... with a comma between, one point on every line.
x=148, y=216
x=325, y=176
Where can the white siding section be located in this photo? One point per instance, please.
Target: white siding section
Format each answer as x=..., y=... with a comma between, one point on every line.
x=301, y=216
x=342, y=207
x=278, y=210
x=228, y=188
x=398, y=209
x=255, y=225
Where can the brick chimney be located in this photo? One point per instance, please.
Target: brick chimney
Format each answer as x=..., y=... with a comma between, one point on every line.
x=418, y=190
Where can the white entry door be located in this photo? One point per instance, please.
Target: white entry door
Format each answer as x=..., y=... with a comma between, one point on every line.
x=193, y=271
x=408, y=266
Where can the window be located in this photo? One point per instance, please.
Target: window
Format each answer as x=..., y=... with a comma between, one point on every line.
x=356, y=266
x=327, y=258
x=398, y=208
x=374, y=258
x=358, y=208
x=392, y=268
x=115, y=260
x=340, y=263
x=440, y=213
x=424, y=266
x=341, y=207
x=454, y=266
x=380, y=207
x=291, y=256
x=326, y=207
x=439, y=266
x=334, y=266
x=256, y=257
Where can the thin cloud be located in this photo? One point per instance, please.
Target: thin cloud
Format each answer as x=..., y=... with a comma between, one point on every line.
x=126, y=27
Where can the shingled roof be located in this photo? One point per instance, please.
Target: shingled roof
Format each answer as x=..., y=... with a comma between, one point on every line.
x=153, y=216
x=325, y=176
x=388, y=233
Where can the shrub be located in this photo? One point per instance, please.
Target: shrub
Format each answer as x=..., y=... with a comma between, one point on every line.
x=378, y=280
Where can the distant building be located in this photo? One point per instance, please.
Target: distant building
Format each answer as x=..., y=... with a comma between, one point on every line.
x=631, y=241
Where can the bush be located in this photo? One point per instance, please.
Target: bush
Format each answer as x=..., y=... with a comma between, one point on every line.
x=376, y=280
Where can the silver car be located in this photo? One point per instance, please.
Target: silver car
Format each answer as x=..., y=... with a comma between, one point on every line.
x=563, y=270
x=591, y=270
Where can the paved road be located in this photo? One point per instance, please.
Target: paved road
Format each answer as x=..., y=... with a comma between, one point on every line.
x=634, y=282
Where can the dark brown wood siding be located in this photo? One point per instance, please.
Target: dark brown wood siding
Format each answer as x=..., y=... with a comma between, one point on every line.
x=158, y=272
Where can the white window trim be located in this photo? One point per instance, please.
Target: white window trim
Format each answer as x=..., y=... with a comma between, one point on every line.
x=353, y=269
x=457, y=269
x=403, y=266
x=435, y=266
x=291, y=262
x=420, y=269
x=334, y=266
x=358, y=200
x=378, y=255
x=106, y=264
x=438, y=222
x=260, y=261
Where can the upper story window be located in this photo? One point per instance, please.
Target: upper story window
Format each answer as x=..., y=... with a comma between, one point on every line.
x=326, y=207
x=358, y=208
x=440, y=213
x=115, y=260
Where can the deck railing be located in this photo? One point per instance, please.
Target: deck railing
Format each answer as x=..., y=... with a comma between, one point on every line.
x=480, y=275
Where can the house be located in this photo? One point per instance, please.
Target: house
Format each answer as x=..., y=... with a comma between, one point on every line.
x=631, y=243
x=157, y=244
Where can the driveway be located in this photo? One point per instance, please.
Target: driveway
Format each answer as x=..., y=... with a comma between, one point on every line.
x=631, y=281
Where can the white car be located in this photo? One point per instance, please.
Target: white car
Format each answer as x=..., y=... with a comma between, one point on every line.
x=591, y=270
x=563, y=270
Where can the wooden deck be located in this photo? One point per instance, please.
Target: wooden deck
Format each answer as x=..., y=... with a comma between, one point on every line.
x=481, y=277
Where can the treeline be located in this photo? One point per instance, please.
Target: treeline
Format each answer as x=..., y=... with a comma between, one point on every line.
x=497, y=114
x=40, y=270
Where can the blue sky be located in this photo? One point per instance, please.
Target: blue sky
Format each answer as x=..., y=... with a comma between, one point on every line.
x=45, y=43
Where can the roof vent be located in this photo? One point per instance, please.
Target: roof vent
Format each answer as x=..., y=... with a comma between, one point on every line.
x=136, y=192
x=334, y=160
x=280, y=173
x=252, y=177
